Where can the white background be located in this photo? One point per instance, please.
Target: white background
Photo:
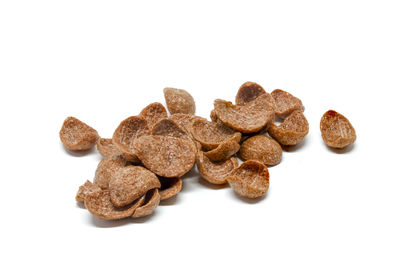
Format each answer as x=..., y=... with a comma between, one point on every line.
x=103, y=61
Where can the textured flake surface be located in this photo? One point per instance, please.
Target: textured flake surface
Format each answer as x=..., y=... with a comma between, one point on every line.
x=126, y=133
x=166, y=156
x=85, y=189
x=213, y=116
x=150, y=204
x=286, y=103
x=169, y=187
x=106, y=169
x=226, y=149
x=215, y=172
x=130, y=183
x=106, y=147
x=183, y=120
x=248, y=118
x=261, y=148
x=336, y=130
x=292, y=130
x=153, y=113
x=251, y=179
x=211, y=134
x=168, y=127
x=76, y=135
x=248, y=92
x=99, y=204
x=179, y=101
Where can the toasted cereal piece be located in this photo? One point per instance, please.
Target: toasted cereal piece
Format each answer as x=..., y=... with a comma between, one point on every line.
x=99, y=204
x=86, y=188
x=336, y=130
x=248, y=92
x=248, y=118
x=130, y=183
x=183, y=120
x=168, y=127
x=213, y=116
x=150, y=204
x=166, y=156
x=251, y=179
x=292, y=130
x=77, y=135
x=179, y=101
x=211, y=134
x=106, y=147
x=226, y=149
x=126, y=133
x=106, y=169
x=153, y=113
x=215, y=172
x=169, y=187
x=286, y=103
x=261, y=148
x=198, y=148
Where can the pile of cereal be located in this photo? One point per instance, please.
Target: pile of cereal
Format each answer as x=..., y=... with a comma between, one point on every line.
x=148, y=154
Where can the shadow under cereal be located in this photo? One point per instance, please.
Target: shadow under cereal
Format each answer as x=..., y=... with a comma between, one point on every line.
x=248, y=200
x=79, y=153
x=118, y=223
x=295, y=147
x=205, y=183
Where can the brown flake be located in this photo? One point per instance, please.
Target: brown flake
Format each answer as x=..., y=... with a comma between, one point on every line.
x=130, y=183
x=179, y=101
x=248, y=92
x=99, y=204
x=183, y=120
x=336, y=130
x=85, y=189
x=251, y=179
x=76, y=135
x=286, y=103
x=248, y=118
x=168, y=127
x=213, y=116
x=215, y=172
x=150, y=204
x=126, y=133
x=169, y=187
x=106, y=169
x=166, y=156
x=292, y=130
x=106, y=147
x=153, y=113
x=211, y=134
x=226, y=149
x=261, y=148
